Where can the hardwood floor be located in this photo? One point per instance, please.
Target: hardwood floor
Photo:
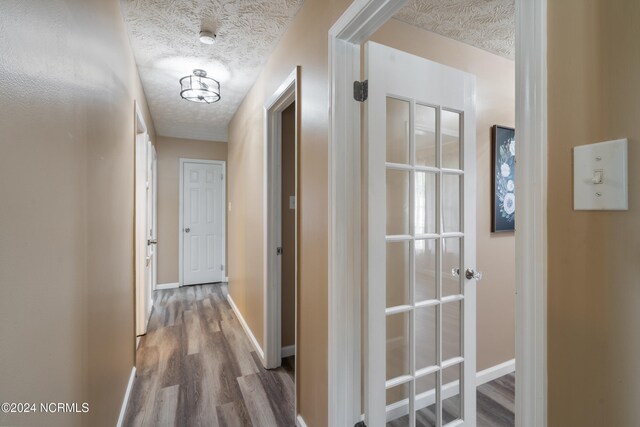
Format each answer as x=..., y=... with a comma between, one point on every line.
x=196, y=367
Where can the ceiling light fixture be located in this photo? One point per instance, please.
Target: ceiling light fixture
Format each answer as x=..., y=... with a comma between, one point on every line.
x=207, y=37
x=200, y=88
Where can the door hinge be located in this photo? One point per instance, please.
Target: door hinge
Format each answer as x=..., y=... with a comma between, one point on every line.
x=361, y=90
x=279, y=251
x=222, y=267
x=222, y=177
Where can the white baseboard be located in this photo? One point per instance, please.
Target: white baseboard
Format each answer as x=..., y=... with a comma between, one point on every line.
x=247, y=330
x=125, y=402
x=167, y=286
x=288, y=351
x=300, y=422
x=399, y=409
x=495, y=372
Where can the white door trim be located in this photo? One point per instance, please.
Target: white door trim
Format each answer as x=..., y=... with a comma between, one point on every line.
x=282, y=98
x=531, y=213
x=181, y=206
x=357, y=23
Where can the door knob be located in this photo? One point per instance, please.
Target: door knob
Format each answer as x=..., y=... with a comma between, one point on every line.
x=152, y=242
x=186, y=230
x=470, y=273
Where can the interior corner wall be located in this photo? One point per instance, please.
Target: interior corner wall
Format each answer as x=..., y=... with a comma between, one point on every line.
x=67, y=211
x=593, y=267
x=169, y=152
x=495, y=105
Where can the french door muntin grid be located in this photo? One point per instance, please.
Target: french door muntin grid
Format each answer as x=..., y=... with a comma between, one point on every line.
x=439, y=237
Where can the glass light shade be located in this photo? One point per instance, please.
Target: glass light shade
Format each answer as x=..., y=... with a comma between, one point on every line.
x=200, y=88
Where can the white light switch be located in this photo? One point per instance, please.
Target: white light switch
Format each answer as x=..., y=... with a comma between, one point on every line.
x=600, y=176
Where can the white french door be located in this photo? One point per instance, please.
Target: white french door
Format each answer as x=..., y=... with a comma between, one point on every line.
x=203, y=218
x=420, y=346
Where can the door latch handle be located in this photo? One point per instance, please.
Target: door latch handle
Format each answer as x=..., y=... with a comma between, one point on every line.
x=470, y=273
x=186, y=230
x=152, y=242
x=455, y=272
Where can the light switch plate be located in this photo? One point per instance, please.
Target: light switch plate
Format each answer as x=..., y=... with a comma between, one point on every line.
x=600, y=176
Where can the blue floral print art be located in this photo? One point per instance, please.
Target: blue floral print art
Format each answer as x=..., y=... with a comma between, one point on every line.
x=504, y=197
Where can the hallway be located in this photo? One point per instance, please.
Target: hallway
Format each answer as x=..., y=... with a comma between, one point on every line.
x=195, y=366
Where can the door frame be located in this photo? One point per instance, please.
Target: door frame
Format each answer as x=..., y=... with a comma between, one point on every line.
x=281, y=99
x=154, y=198
x=140, y=221
x=355, y=25
x=222, y=163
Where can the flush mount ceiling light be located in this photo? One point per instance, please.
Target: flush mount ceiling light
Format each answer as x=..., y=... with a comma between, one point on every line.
x=207, y=37
x=200, y=88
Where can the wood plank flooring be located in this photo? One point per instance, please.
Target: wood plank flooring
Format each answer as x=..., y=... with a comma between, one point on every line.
x=196, y=367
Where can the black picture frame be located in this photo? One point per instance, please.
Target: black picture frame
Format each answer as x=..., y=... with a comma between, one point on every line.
x=503, y=164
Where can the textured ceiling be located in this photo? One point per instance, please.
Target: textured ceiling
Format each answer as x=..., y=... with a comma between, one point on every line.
x=164, y=37
x=486, y=24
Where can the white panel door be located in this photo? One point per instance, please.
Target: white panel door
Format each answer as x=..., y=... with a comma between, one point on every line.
x=420, y=307
x=203, y=220
x=151, y=241
x=144, y=252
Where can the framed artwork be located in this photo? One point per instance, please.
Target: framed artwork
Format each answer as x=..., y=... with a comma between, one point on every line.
x=503, y=163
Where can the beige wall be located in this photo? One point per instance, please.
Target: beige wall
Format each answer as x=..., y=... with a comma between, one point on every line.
x=593, y=287
x=67, y=83
x=288, y=328
x=170, y=151
x=305, y=44
x=495, y=103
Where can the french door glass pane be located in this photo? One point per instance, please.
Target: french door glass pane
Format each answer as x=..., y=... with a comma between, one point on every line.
x=425, y=136
x=425, y=395
x=398, y=350
x=425, y=203
x=450, y=203
x=397, y=202
x=397, y=396
x=397, y=131
x=451, y=330
x=426, y=337
x=450, y=139
x=451, y=402
x=425, y=266
x=452, y=271
x=398, y=275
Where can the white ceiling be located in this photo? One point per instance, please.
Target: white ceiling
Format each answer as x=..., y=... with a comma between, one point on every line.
x=164, y=37
x=486, y=24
